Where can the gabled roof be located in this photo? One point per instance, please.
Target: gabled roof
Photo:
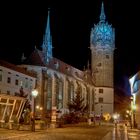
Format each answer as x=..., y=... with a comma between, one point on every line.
x=37, y=58
x=15, y=68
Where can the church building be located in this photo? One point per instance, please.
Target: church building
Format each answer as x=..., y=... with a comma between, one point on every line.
x=57, y=81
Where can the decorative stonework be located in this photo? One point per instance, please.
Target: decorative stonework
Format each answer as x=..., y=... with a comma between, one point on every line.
x=102, y=34
x=47, y=42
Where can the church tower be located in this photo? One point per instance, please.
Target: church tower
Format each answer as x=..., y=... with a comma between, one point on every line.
x=47, y=41
x=102, y=44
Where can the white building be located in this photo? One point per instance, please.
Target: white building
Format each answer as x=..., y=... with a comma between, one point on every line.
x=135, y=103
x=57, y=81
x=12, y=80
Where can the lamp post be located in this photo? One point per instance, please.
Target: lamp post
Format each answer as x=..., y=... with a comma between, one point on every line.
x=34, y=95
x=116, y=118
x=134, y=117
x=129, y=116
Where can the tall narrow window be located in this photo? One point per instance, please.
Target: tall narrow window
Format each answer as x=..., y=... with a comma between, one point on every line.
x=16, y=82
x=100, y=100
x=59, y=92
x=68, y=91
x=49, y=93
x=93, y=99
x=9, y=80
x=60, y=95
x=88, y=98
x=0, y=75
x=100, y=90
x=72, y=90
x=26, y=83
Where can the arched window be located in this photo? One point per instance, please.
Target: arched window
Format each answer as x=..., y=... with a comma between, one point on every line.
x=88, y=97
x=60, y=95
x=59, y=92
x=49, y=92
x=93, y=100
x=72, y=90
x=0, y=75
x=69, y=90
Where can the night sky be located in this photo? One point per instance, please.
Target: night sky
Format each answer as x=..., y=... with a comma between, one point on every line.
x=22, y=28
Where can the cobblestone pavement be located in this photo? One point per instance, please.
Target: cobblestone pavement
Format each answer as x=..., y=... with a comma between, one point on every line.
x=133, y=134
x=66, y=133
x=76, y=132
x=123, y=133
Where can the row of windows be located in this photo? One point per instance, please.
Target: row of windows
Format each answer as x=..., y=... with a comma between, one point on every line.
x=59, y=93
x=8, y=92
x=17, y=82
x=1, y=72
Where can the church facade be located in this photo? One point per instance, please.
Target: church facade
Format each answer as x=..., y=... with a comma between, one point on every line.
x=57, y=81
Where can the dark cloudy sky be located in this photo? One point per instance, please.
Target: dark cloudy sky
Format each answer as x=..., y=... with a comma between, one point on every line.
x=22, y=28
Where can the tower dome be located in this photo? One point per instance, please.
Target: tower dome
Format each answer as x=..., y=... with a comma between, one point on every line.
x=102, y=34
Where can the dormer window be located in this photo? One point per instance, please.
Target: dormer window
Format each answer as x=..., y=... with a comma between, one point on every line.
x=67, y=68
x=56, y=65
x=0, y=75
x=76, y=73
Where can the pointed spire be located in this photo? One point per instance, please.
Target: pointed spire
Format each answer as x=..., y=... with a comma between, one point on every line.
x=23, y=57
x=35, y=47
x=47, y=32
x=88, y=65
x=47, y=40
x=84, y=68
x=102, y=15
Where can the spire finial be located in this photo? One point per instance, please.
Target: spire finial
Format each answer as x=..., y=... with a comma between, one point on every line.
x=48, y=22
x=88, y=65
x=48, y=10
x=23, y=58
x=47, y=41
x=102, y=15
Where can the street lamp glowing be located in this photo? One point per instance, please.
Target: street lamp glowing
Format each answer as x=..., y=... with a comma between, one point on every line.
x=37, y=107
x=134, y=114
x=116, y=116
x=127, y=111
x=134, y=107
x=34, y=93
x=41, y=108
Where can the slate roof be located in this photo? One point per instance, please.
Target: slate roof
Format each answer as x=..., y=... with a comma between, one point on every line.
x=37, y=58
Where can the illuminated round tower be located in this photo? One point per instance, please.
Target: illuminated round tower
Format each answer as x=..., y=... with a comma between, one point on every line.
x=102, y=44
